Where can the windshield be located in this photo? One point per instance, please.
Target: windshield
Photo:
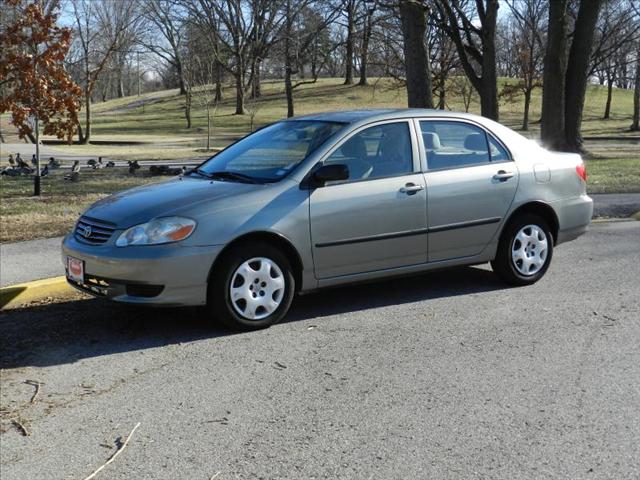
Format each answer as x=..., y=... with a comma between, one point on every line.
x=271, y=153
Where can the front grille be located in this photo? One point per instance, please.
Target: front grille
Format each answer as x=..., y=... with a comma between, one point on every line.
x=92, y=231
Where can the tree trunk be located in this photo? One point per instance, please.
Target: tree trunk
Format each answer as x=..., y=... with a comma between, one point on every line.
x=555, y=68
x=80, y=132
x=218, y=95
x=527, y=104
x=442, y=76
x=120, y=87
x=181, y=82
x=364, y=54
x=578, y=72
x=442, y=94
x=187, y=108
x=86, y=137
x=119, y=82
x=208, y=127
x=239, y=90
x=489, y=107
x=256, y=90
x=635, y=125
x=607, y=108
x=288, y=87
x=348, y=60
x=416, y=55
x=314, y=59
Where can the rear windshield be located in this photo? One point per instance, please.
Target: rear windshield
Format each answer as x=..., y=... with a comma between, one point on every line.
x=271, y=153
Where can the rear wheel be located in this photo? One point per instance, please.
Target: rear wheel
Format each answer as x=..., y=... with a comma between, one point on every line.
x=525, y=250
x=252, y=287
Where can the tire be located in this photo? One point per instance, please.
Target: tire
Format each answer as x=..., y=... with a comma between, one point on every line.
x=520, y=263
x=257, y=272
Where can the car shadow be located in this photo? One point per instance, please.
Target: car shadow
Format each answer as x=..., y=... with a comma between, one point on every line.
x=66, y=332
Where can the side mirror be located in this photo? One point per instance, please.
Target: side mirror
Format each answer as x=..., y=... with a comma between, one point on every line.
x=330, y=173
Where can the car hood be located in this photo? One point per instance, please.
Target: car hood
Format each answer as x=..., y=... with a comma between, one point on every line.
x=141, y=204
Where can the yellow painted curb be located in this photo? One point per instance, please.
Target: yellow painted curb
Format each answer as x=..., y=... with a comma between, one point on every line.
x=15, y=295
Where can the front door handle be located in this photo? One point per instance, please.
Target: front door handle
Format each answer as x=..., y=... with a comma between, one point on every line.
x=503, y=176
x=411, y=188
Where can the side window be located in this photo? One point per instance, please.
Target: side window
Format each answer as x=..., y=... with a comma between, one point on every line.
x=376, y=152
x=497, y=151
x=453, y=144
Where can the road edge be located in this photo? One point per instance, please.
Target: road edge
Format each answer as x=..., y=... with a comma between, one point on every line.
x=13, y=296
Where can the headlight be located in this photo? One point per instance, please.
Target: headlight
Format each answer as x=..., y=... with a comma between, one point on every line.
x=155, y=232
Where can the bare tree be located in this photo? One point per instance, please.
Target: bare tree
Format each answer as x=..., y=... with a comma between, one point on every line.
x=472, y=27
x=99, y=28
x=242, y=29
x=526, y=36
x=461, y=87
x=169, y=20
x=616, y=30
x=304, y=39
x=198, y=74
x=367, y=29
x=444, y=60
x=350, y=11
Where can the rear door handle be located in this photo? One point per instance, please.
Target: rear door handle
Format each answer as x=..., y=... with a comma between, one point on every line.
x=503, y=176
x=411, y=188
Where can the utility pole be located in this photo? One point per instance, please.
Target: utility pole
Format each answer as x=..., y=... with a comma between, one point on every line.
x=36, y=180
x=37, y=189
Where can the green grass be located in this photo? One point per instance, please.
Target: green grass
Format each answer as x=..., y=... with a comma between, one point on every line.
x=620, y=175
x=156, y=130
x=23, y=217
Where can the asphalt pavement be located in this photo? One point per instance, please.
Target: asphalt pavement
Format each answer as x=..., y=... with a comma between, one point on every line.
x=445, y=375
x=32, y=260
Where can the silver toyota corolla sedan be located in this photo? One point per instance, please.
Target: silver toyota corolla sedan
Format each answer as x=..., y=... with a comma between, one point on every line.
x=329, y=199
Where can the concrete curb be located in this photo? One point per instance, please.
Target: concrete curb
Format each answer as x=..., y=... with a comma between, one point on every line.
x=16, y=295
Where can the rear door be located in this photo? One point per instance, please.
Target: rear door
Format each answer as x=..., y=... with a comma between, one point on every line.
x=471, y=181
x=377, y=218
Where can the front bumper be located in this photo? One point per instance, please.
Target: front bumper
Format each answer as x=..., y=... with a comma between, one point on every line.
x=169, y=275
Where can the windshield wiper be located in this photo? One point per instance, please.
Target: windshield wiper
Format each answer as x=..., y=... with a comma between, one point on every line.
x=231, y=176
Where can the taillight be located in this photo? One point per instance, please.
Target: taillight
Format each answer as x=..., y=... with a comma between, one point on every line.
x=581, y=170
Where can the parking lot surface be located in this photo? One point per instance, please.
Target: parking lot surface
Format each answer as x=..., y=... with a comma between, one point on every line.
x=445, y=375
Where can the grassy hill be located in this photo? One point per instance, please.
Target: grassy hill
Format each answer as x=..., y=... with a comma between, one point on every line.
x=157, y=119
x=162, y=113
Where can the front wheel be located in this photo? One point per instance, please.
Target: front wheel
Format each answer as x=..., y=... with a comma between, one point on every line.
x=252, y=287
x=525, y=250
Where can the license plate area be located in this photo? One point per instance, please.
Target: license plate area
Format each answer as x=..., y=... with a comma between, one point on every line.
x=75, y=269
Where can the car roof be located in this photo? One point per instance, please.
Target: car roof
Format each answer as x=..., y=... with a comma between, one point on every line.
x=375, y=114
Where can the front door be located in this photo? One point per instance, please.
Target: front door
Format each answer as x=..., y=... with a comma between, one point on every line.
x=376, y=219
